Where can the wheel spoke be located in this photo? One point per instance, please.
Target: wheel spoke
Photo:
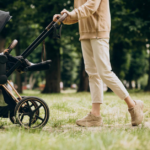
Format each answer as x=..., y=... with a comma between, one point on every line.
x=22, y=117
x=39, y=117
x=37, y=108
x=30, y=120
x=23, y=114
x=29, y=106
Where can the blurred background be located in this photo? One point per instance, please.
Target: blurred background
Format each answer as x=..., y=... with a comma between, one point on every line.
x=129, y=45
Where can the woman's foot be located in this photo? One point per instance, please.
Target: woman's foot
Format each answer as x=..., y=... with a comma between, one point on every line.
x=90, y=120
x=136, y=113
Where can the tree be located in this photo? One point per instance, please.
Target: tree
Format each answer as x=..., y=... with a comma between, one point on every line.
x=84, y=80
x=129, y=23
x=22, y=28
x=138, y=65
x=47, y=9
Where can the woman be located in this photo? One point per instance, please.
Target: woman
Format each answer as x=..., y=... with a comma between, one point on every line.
x=94, y=21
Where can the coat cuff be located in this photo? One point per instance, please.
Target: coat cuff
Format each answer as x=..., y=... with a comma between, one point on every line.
x=73, y=15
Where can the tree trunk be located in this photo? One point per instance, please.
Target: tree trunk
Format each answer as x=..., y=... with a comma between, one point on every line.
x=18, y=75
x=136, y=84
x=53, y=74
x=84, y=82
x=130, y=85
x=31, y=81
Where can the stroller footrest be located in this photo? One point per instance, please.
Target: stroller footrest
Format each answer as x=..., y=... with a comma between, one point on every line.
x=45, y=65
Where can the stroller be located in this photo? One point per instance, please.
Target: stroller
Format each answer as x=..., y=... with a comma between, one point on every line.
x=29, y=112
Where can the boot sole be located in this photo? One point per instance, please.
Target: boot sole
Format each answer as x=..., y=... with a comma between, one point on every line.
x=90, y=124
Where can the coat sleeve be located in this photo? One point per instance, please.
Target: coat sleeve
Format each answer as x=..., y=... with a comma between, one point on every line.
x=86, y=10
x=70, y=21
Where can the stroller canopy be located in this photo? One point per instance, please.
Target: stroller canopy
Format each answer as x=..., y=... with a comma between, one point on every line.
x=4, y=18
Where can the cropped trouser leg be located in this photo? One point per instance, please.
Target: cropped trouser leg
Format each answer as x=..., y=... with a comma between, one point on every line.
x=98, y=67
x=95, y=82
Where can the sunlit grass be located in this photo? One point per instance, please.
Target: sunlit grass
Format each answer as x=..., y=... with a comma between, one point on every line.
x=61, y=133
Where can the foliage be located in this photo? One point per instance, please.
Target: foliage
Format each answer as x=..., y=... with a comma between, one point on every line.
x=129, y=36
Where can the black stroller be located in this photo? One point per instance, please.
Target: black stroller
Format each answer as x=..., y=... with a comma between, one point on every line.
x=29, y=112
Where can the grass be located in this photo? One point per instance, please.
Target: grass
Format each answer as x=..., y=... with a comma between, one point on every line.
x=61, y=133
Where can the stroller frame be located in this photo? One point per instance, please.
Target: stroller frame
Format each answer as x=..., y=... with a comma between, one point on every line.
x=6, y=88
x=23, y=106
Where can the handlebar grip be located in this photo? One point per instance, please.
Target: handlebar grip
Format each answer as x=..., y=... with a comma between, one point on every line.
x=62, y=18
x=12, y=45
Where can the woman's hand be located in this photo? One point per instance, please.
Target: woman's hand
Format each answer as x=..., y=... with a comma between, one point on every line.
x=56, y=17
x=6, y=51
x=65, y=11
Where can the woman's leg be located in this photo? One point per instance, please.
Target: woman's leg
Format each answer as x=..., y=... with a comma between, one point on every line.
x=129, y=101
x=95, y=82
x=102, y=61
x=95, y=109
x=96, y=87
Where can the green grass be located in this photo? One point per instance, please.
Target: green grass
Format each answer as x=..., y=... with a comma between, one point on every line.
x=61, y=133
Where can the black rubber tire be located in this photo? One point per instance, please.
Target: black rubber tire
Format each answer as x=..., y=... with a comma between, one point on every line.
x=24, y=100
x=13, y=118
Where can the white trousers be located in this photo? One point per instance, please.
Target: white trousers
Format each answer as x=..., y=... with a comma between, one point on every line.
x=98, y=67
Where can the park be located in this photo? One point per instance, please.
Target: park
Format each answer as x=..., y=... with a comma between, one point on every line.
x=45, y=83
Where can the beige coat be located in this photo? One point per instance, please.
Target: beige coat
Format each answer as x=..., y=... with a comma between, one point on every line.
x=93, y=17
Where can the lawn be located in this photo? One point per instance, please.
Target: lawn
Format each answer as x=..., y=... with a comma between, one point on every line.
x=61, y=133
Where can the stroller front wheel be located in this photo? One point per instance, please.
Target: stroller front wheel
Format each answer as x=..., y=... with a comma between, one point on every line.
x=32, y=112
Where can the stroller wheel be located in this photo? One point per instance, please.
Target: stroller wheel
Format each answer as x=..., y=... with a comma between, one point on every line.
x=33, y=106
x=13, y=118
x=32, y=112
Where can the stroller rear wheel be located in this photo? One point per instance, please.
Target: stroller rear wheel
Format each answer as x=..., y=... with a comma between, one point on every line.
x=33, y=104
x=32, y=112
